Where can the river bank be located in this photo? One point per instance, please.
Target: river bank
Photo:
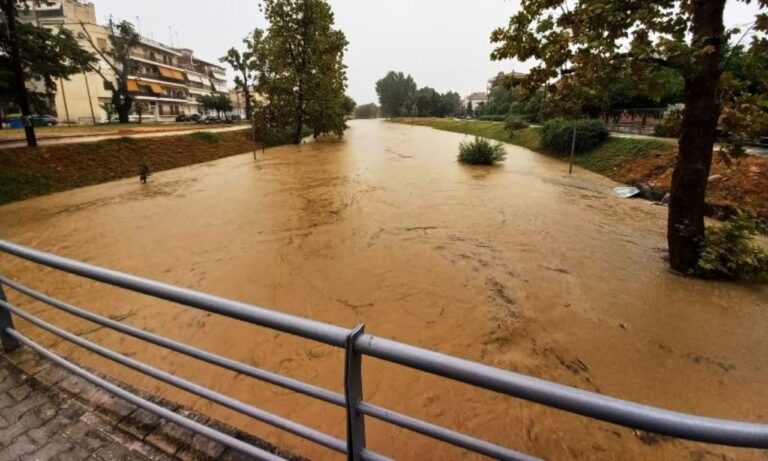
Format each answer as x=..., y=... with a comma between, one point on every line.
x=635, y=161
x=26, y=173
x=519, y=266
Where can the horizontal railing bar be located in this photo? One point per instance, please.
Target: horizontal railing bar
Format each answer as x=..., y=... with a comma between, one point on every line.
x=226, y=401
x=193, y=426
x=306, y=328
x=248, y=370
x=590, y=404
x=446, y=435
x=571, y=399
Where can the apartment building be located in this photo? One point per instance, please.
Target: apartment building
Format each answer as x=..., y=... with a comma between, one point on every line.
x=167, y=80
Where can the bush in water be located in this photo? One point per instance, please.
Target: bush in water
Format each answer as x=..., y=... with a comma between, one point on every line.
x=557, y=135
x=481, y=151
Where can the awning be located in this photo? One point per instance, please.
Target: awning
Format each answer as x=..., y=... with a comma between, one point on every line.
x=170, y=73
x=195, y=78
x=156, y=88
x=132, y=85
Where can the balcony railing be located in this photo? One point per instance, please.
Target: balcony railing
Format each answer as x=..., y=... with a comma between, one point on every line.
x=356, y=345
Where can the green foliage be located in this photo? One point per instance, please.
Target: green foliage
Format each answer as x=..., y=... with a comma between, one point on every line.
x=501, y=98
x=481, y=151
x=492, y=118
x=557, y=135
x=47, y=55
x=367, y=111
x=109, y=109
x=514, y=122
x=207, y=136
x=243, y=65
x=731, y=253
x=300, y=67
x=671, y=125
x=140, y=108
x=531, y=106
x=218, y=101
x=396, y=93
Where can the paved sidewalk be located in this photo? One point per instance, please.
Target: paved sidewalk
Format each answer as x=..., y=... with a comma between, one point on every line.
x=49, y=414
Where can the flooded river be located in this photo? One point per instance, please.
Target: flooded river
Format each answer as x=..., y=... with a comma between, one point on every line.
x=519, y=266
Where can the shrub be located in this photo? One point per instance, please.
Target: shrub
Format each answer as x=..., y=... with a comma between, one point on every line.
x=671, y=125
x=731, y=253
x=481, y=151
x=207, y=136
x=492, y=118
x=514, y=122
x=557, y=135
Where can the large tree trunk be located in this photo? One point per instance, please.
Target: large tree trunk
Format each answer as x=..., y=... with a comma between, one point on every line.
x=123, y=102
x=685, y=229
x=247, y=96
x=297, y=135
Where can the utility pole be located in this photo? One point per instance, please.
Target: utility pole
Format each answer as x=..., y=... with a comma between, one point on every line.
x=90, y=99
x=18, y=72
x=573, y=148
x=64, y=96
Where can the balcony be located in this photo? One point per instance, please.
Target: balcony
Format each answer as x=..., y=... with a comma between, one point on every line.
x=157, y=76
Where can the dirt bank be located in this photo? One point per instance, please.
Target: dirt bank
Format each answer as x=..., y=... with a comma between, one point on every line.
x=519, y=266
x=26, y=173
x=744, y=185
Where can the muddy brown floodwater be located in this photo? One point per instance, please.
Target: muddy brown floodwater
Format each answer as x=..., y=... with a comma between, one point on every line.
x=520, y=266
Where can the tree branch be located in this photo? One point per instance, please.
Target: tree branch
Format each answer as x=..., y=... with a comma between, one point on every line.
x=98, y=51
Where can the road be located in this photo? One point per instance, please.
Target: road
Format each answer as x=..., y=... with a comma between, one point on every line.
x=43, y=141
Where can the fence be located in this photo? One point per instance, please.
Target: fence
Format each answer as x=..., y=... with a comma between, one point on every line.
x=636, y=121
x=356, y=344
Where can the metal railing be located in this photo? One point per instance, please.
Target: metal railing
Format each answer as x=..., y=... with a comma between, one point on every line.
x=356, y=344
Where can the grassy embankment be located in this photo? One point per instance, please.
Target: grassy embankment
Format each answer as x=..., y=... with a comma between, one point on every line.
x=26, y=173
x=604, y=160
x=632, y=161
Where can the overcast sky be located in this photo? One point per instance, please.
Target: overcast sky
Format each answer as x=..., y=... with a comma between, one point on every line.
x=442, y=43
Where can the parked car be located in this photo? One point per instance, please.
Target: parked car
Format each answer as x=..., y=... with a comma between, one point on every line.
x=16, y=121
x=235, y=118
x=44, y=120
x=208, y=119
x=188, y=118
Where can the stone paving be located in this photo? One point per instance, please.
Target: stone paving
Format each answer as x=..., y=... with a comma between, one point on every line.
x=47, y=413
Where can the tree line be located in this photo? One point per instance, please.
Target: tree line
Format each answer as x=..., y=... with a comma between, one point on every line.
x=399, y=96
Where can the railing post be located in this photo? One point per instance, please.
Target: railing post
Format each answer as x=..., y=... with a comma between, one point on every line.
x=353, y=392
x=9, y=342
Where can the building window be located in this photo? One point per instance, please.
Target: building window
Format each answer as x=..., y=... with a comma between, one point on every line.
x=101, y=43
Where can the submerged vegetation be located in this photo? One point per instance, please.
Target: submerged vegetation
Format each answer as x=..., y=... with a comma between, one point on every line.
x=481, y=151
